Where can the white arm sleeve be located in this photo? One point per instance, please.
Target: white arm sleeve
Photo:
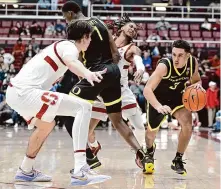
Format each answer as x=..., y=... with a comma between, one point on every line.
x=139, y=63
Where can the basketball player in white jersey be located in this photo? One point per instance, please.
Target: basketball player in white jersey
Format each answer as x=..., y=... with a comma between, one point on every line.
x=130, y=54
x=28, y=95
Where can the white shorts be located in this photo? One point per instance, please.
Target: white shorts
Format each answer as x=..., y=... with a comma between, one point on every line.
x=34, y=104
x=129, y=106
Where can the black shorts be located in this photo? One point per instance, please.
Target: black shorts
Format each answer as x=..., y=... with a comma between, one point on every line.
x=155, y=119
x=109, y=88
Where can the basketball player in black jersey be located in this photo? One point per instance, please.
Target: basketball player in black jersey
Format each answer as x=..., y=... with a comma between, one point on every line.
x=164, y=91
x=102, y=53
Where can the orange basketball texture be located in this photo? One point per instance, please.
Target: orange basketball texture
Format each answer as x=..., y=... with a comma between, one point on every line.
x=194, y=99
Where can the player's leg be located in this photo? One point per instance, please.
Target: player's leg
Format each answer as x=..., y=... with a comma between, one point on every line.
x=154, y=120
x=82, y=110
x=92, y=142
x=184, y=117
x=132, y=112
x=98, y=113
x=26, y=172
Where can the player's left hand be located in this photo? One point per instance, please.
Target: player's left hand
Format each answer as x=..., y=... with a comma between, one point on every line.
x=138, y=76
x=197, y=86
x=95, y=76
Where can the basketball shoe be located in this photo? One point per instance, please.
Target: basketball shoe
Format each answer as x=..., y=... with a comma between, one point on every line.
x=93, y=163
x=86, y=177
x=33, y=176
x=146, y=163
x=178, y=167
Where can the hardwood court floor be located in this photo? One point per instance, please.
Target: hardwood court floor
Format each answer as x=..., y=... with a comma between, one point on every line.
x=56, y=159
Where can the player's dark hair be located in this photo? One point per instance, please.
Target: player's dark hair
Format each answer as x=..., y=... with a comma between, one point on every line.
x=71, y=6
x=181, y=44
x=77, y=29
x=122, y=21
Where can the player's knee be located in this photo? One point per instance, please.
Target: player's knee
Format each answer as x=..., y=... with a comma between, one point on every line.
x=151, y=135
x=45, y=127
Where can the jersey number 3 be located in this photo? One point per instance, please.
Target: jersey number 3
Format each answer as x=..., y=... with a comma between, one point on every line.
x=174, y=86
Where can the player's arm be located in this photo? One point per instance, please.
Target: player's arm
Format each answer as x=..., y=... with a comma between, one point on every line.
x=195, y=80
x=151, y=85
x=138, y=61
x=78, y=68
x=114, y=51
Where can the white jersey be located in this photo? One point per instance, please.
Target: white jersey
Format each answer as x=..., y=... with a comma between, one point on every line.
x=45, y=68
x=124, y=64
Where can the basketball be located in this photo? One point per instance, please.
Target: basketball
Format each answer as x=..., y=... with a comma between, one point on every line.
x=194, y=99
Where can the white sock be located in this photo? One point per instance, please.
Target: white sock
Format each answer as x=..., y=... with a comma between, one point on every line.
x=94, y=144
x=27, y=164
x=79, y=161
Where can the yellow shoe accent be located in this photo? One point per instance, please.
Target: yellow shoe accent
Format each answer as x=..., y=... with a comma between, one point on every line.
x=184, y=174
x=149, y=168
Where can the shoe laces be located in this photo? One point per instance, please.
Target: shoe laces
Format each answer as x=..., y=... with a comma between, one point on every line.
x=180, y=162
x=86, y=168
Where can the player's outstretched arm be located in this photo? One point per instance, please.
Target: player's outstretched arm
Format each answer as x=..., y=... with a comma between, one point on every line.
x=78, y=68
x=151, y=85
x=138, y=63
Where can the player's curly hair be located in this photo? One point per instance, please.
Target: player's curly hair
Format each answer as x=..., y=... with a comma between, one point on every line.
x=118, y=24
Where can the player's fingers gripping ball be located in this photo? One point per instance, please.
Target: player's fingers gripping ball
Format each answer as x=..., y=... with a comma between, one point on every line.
x=194, y=99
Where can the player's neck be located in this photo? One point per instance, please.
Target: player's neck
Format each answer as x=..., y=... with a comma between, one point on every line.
x=122, y=41
x=81, y=16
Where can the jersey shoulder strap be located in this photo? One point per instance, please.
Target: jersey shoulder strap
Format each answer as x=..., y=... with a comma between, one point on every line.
x=192, y=65
x=168, y=63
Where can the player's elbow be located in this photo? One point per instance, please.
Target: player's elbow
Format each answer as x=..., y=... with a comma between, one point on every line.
x=147, y=91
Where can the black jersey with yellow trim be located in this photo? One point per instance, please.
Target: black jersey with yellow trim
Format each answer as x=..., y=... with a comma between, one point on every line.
x=174, y=82
x=99, y=51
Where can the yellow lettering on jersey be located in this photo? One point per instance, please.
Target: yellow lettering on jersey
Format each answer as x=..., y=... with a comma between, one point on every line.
x=98, y=32
x=174, y=86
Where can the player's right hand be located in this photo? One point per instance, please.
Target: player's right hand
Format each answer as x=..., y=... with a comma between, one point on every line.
x=95, y=76
x=163, y=109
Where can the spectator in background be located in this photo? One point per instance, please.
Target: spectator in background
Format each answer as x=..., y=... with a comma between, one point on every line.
x=59, y=28
x=212, y=101
x=163, y=25
x=34, y=45
x=3, y=71
x=19, y=48
x=201, y=54
x=29, y=53
x=85, y=7
x=11, y=70
x=156, y=50
x=218, y=122
x=5, y=112
x=147, y=60
x=213, y=63
x=109, y=4
x=8, y=57
x=35, y=28
x=17, y=29
x=154, y=36
x=215, y=5
x=216, y=26
x=206, y=26
x=44, y=4
x=50, y=30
